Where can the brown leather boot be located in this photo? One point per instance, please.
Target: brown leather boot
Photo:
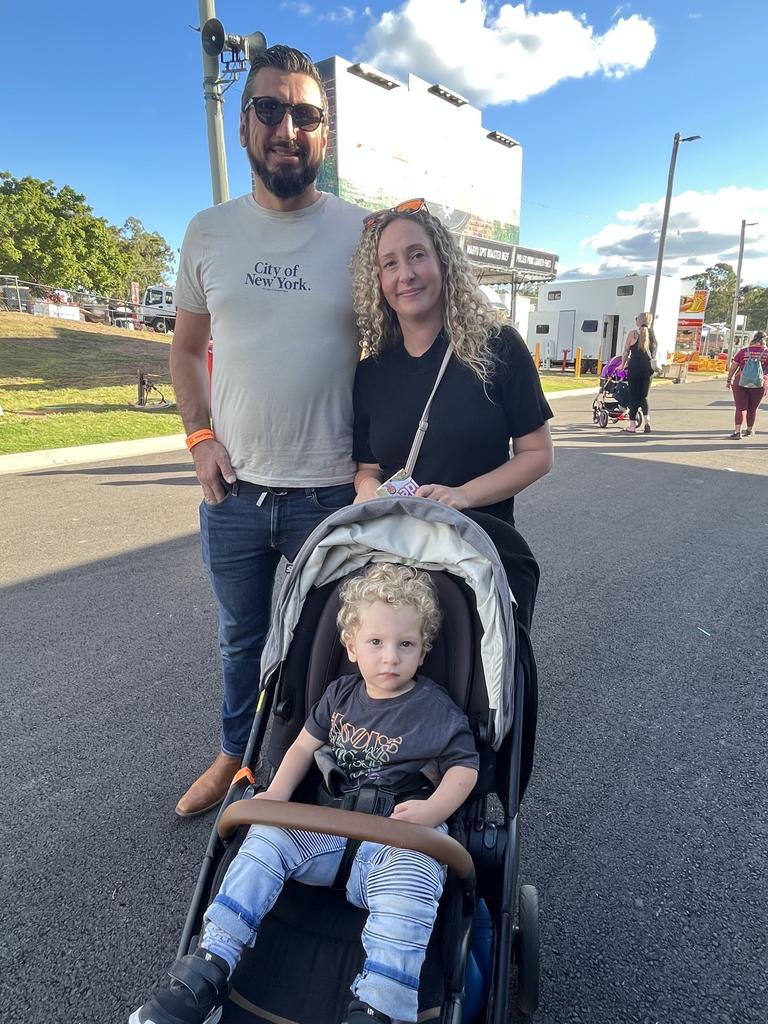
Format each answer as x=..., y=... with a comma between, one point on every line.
x=210, y=789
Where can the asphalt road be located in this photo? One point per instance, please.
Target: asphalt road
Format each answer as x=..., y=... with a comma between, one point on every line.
x=645, y=823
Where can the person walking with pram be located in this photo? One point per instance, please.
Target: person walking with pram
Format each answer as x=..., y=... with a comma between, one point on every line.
x=638, y=359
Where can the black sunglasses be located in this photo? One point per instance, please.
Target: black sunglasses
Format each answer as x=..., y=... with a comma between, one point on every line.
x=271, y=112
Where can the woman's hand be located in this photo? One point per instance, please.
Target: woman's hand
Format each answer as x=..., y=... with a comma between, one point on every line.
x=367, y=479
x=367, y=490
x=454, y=497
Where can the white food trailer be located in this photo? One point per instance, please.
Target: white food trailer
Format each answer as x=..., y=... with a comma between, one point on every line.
x=596, y=316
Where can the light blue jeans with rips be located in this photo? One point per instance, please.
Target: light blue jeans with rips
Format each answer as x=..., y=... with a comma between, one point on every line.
x=399, y=888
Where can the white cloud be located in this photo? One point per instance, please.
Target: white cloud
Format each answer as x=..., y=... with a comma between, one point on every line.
x=703, y=229
x=506, y=54
x=341, y=15
x=304, y=10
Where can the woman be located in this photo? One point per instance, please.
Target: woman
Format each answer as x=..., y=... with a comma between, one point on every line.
x=747, y=399
x=414, y=293
x=639, y=351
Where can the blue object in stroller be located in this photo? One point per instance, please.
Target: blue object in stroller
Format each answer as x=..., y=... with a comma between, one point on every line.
x=308, y=947
x=612, y=400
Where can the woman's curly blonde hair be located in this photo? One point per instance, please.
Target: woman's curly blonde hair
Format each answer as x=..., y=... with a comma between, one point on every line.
x=397, y=585
x=467, y=317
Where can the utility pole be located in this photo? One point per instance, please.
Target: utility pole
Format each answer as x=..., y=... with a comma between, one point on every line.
x=665, y=218
x=735, y=308
x=214, y=114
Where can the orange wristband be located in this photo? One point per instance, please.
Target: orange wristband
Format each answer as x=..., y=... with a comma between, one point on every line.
x=198, y=436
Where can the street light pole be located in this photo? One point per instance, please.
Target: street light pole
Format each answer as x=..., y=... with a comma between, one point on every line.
x=735, y=308
x=665, y=218
x=214, y=114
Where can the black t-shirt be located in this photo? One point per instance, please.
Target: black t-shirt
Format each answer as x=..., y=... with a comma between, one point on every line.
x=469, y=429
x=389, y=740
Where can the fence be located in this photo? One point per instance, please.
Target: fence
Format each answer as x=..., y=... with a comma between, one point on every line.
x=19, y=296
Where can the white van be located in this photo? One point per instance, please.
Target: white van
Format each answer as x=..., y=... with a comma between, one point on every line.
x=158, y=311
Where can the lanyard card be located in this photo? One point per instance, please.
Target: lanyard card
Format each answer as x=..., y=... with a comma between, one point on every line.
x=400, y=483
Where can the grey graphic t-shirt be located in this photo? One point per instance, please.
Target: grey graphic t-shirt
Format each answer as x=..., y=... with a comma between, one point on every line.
x=278, y=291
x=386, y=741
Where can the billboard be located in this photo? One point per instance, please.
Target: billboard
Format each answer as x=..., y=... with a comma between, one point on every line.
x=390, y=141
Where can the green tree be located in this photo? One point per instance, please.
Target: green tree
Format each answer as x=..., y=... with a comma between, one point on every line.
x=754, y=304
x=149, y=257
x=52, y=237
x=721, y=281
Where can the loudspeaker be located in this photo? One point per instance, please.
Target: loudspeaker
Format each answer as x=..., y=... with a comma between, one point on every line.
x=255, y=43
x=212, y=37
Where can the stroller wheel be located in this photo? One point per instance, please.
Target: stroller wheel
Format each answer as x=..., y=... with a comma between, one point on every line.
x=526, y=951
x=602, y=419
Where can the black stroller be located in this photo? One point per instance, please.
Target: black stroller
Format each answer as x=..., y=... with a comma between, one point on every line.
x=308, y=948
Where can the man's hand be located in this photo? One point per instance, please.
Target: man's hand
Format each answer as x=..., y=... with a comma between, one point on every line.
x=454, y=497
x=417, y=812
x=212, y=466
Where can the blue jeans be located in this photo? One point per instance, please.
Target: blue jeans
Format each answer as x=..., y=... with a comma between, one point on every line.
x=399, y=888
x=243, y=538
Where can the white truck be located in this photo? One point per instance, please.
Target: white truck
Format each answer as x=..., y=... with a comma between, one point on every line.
x=158, y=310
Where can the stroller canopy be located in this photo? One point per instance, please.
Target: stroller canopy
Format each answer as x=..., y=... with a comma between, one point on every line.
x=427, y=535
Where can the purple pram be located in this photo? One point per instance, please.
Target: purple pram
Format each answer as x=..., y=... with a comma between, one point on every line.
x=610, y=404
x=611, y=369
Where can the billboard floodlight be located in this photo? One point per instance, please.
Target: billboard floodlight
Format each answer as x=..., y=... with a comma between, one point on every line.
x=448, y=95
x=503, y=140
x=372, y=75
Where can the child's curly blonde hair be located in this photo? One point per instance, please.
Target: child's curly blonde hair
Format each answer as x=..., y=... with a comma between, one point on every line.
x=397, y=585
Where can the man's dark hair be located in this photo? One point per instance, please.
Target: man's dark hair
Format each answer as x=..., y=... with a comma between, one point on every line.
x=284, y=58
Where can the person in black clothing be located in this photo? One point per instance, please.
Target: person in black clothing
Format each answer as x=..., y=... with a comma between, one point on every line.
x=414, y=294
x=639, y=351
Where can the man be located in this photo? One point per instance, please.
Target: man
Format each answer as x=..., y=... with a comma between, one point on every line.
x=265, y=275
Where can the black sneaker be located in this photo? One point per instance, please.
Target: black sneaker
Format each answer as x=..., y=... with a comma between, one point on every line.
x=362, y=1013
x=191, y=994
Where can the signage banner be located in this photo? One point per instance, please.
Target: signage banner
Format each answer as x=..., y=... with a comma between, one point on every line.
x=532, y=259
x=693, y=304
x=488, y=252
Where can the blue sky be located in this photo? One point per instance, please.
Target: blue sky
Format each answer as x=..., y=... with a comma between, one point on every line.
x=109, y=101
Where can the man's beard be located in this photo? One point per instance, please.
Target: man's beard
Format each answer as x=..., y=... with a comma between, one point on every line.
x=286, y=182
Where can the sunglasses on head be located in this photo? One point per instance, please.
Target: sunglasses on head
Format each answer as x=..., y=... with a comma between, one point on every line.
x=408, y=207
x=271, y=112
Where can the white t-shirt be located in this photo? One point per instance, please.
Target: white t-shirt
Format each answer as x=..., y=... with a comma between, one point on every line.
x=277, y=287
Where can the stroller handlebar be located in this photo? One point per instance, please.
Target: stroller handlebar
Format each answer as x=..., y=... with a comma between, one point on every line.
x=353, y=825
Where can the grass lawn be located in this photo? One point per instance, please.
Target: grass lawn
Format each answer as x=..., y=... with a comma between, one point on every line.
x=64, y=383
x=555, y=381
